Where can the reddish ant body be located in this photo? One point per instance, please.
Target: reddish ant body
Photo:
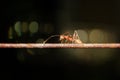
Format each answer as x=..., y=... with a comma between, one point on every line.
x=69, y=38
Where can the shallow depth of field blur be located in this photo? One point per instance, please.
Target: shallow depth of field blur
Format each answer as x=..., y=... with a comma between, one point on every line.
x=96, y=21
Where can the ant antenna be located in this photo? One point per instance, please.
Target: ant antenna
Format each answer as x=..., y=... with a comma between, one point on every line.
x=50, y=38
x=54, y=36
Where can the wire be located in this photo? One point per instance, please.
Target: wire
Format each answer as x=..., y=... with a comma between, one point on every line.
x=79, y=46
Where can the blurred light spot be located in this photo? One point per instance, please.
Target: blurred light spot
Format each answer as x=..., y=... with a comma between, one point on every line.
x=91, y=56
x=41, y=28
x=106, y=37
x=33, y=27
x=20, y=57
x=100, y=56
x=48, y=28
x=40, y=40
x=10, y=33
x=111, y=37
x=83, y=35
x=17, y=28
x=30, y=51
x=24, y=27
x=96, y=36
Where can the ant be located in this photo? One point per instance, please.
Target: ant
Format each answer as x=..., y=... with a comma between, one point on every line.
x=67, y=38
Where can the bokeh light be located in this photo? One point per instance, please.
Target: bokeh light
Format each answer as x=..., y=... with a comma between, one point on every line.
x=20, y=57
x=24, y=27
x=83, y=35
x=96, y=36
x=48, y=28
x=102, y=36
x=41, y=28
x=90, y=56
x=33, y=27
x=10, y=33
x=17, y=28
x=112, y=38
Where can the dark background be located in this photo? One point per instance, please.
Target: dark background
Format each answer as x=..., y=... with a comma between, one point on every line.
x=49, y=65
